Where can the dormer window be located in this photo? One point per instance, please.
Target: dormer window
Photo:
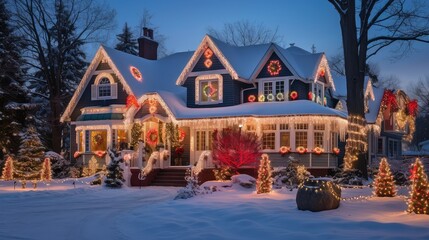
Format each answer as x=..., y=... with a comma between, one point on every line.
x=318, y=93
x=208, y=89
x=104, y=87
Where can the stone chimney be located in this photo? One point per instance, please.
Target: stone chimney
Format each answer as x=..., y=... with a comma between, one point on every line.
x=148, y=47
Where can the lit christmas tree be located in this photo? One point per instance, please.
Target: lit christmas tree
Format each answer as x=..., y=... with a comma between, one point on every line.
x=418, y=201
x=384, y=183
x=92, y=167
x=264, y=181
x=29, y=155
x=7, y=173
x=46, y=174
x=114, y=177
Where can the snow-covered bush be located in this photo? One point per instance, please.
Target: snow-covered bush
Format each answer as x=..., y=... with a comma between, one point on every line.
x=290, y=176
x=348, y=177
x=192, y=188
x=114, y=177
x=244, y=180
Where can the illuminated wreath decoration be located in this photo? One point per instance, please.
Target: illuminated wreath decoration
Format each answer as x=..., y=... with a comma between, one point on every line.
x=301, y=150
x=310, y=96
x=318, y=150
x=261, y=98
x=280, y=96
x=322, y=72
x=209, y=90
x=182, y=135
x=251, y=98
x=152, y=137
x=152, y=109
x=208, y=53
x=208, y=63
x=97, y=139
x=136, y=73
x=294, y=95
x=336, y=151
x=270, y=97
x=284, y=150
x=274, y=67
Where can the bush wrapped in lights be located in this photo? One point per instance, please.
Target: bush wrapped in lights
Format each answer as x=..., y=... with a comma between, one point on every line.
x=418, y=202
x=264, y=181
x=7, y=173
x=384, y=185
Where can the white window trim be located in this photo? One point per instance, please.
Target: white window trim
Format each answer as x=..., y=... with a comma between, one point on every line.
x=95, y=87
x=384, y=147
x=208, y=77
x=276, y=137
x=316, y=87
x=261, y=83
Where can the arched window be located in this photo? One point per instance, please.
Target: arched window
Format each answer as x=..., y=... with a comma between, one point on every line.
x=104, y=87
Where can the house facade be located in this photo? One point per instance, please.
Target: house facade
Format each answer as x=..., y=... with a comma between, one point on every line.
x=144, y=106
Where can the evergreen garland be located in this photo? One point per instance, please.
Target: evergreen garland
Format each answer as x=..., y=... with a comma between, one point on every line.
x=136, y=133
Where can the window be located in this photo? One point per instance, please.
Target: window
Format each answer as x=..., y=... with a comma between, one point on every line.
x=204, y=140
x=284, y=135
x=209, y=89
x=121, y=139
x=334, y=140
x=104, y=87
x=380, y=146
x=301, y=136
x=80, y=141
x=98, y=140
x=393, y=148
x=273, y=91
x=318, y=94
x=318, y=135
x=268, y=136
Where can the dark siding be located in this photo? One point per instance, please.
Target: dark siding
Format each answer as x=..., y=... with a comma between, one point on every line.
x=145, y=110
x=85, y=100
x=284, y=72
x=330, y=100
x=247, y=93
x=216, y=64
x=231, y=92
x=103, y=66
x=301, y=88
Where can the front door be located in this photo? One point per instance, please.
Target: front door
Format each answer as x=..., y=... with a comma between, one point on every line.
x=203, y=142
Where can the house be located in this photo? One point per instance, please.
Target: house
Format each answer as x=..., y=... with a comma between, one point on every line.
x=285, y=96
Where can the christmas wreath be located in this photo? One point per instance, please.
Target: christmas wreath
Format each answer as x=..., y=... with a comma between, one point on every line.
x=283, y=150
x=336, y=151
x=318, y=150
x=301, y=150
x=97, y=139
x=182, y=135
x=152, y=137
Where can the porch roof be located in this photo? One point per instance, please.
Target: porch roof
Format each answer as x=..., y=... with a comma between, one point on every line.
x=101, y=116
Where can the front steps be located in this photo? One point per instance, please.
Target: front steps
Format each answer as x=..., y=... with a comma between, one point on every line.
x=174, y=177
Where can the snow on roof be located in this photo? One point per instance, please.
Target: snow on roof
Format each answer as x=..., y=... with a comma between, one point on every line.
x=256, y=109
x=158, y=75
x=244, y=59
x=303, y=62
x=374, y=106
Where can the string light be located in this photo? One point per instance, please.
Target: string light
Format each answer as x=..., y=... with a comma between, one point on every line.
x=274, y=67
x=136, y=73
x=418, y=201
x=264, y=181
x=384, y=185
x=251, y=98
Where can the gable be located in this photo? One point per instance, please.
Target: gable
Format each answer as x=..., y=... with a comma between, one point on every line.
x=103, y=65
x=151, y=106
x=274, y=67
x=208, y=61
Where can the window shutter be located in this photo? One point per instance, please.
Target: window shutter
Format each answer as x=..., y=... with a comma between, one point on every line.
x=114, y=90
x=93, y=92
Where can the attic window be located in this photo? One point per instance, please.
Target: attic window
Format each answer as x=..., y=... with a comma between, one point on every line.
x=104, y=87
x=209, y=89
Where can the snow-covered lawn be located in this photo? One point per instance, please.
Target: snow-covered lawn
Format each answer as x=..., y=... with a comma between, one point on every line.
x=60, y=211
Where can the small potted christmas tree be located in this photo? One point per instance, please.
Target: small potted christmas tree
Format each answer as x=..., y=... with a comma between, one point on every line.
x=418, y=202
x=264, y=181
x=384, y=183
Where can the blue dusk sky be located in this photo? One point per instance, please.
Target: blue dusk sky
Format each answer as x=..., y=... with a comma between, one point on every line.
x=307, y=22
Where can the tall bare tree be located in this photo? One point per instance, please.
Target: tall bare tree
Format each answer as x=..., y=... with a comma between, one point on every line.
x=146, y=20
x=49, y=53
x=366, y=29
x=244, y=33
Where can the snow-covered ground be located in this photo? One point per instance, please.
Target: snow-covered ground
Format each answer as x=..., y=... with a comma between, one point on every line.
x=60, y=211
